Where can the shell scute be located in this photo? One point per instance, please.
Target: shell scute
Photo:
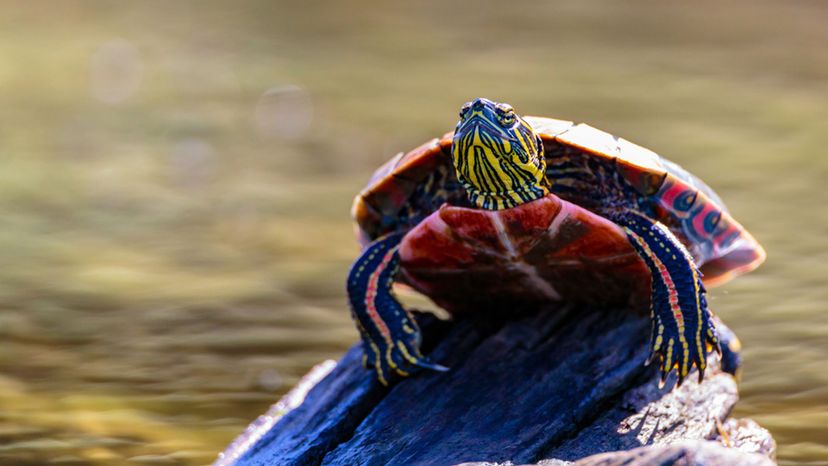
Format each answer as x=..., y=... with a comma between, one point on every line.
x=722, y=246
x=634, y=155
x=589, y=139
x=641, y=167
x=377, y=207
x=549, y=127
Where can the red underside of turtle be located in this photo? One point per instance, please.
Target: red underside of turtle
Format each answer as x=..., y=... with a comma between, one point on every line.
x=471, y=260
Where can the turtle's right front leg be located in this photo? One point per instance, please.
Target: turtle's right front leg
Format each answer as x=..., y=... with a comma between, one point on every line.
x=390, y=336
x=682, y=324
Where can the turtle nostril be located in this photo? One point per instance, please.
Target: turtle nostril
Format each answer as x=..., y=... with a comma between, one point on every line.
x=478, y=103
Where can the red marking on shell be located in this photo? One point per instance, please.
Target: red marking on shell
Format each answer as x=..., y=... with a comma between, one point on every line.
x=745, y=256
x=669, y=193
x=645, y=182
x=731, y=249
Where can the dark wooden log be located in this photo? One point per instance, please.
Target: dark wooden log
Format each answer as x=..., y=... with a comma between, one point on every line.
x=687, y=452
x=563, y=384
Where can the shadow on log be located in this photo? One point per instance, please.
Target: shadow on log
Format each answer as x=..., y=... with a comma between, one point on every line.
x=550, y=388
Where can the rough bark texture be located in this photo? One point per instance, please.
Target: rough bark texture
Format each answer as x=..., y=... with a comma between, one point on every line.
x=550, y=388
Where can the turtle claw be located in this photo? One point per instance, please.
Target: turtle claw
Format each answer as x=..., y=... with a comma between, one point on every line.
x=682, y=354
x=397, y=360
x=424, y=364
x=715, y=337
x=655, y=341
x=701, y=373
x=682, y=348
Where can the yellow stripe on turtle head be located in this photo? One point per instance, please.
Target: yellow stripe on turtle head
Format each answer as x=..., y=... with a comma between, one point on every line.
x=497, y=156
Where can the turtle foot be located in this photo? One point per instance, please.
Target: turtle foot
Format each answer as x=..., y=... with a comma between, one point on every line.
x=390, y=336
x=682, y=351
x=397, y=359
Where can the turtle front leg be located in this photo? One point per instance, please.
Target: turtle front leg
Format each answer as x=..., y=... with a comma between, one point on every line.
x=682, y=324
x=390, y=336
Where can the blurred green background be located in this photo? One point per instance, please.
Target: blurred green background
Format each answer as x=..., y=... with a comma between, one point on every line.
x=176, y=178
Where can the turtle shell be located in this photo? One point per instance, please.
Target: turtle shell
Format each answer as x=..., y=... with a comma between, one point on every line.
x=586, y=167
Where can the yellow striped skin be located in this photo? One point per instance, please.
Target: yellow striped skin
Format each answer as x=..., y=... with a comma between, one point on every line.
x=497, y=156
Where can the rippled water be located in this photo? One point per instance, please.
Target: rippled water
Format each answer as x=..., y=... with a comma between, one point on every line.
x=177, y=178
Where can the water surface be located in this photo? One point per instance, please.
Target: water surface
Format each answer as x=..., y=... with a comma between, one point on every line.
x=177, y=179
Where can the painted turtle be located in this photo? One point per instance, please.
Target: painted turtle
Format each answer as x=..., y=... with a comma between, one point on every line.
x=509, y=212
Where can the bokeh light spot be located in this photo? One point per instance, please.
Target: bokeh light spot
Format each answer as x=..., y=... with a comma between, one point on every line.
x=115, y=72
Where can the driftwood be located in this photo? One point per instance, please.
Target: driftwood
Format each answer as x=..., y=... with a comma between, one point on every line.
x=551, y=388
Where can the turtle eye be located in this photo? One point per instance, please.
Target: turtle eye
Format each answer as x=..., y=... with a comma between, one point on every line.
x=505, y=114
x=465, y=109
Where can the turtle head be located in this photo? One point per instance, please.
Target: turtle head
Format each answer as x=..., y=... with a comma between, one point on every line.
x=497, y=156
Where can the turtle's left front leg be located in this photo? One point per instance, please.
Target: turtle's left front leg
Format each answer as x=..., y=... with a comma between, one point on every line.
x=390, y=336
x=682, y=324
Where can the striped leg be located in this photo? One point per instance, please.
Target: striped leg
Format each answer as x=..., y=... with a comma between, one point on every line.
x=682, y=324
x=390, y=336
